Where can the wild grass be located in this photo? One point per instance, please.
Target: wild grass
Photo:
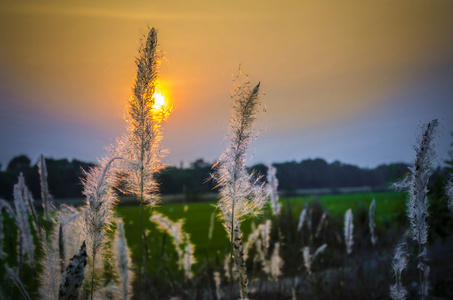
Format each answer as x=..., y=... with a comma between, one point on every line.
x=417, y=205
x=210, y=253
x=198, y=215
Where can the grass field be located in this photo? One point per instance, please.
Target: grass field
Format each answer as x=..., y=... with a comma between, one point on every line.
x=162, y=254
x=198, y=215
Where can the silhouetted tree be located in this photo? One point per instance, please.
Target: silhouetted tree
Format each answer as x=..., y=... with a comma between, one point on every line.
x=20, y=162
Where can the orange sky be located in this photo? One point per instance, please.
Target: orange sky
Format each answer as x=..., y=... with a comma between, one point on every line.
x=347, y=80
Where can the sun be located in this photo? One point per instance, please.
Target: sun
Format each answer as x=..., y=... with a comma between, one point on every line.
x=162, y=106
x=159, y=101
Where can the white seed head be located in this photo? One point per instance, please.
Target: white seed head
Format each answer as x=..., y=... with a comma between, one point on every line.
x=302, y=218
x=273, y=266
x=371, y=221
x=348, y=231
x=417, y=183
x=21, y=195
x=272, y=182
x=240, y=194
x=181, y=240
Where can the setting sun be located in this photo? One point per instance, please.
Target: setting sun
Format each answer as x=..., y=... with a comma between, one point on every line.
x=159, y=101
x=162, y=105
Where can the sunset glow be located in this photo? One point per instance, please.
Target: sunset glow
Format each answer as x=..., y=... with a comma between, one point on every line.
x=159, y=101
x=162, y=105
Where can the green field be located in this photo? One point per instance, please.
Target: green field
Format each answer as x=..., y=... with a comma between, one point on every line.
x=211, y=252
x=197, y=218
x=198, y=215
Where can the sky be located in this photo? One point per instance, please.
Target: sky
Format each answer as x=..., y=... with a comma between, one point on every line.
x=340, y=80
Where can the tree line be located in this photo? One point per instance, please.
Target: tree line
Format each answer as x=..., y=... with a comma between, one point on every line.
x=64, y=176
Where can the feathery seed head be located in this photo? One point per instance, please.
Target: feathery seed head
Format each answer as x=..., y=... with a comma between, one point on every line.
x=21, y=195
x=308, y=258
x=417, y=183
x=50, y=275
x=303, y=215
x=371, y=221
x=140, y=149
x=45, y=195
x=240, y=193
x=322, y=223
x=273, y=188
x=273, y=266
x=348, y=228
x=98, y=210
x=181, y=240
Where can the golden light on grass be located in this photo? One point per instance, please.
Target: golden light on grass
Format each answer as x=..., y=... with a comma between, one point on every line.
x=162, y=105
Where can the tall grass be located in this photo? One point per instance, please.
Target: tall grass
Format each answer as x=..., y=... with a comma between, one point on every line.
x=123, y=262
x=417, y=206
x=45, y=195
x=348, y=231
x=98, y=214
x=240, y=194
x=272, y=182
x=371, y=223
x=140, y=148
x=21, y=194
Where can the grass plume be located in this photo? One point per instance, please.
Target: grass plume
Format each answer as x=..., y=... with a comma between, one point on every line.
x=302, y=217
x=272, y=182
x=240, y=195
x=348, y=228
x=181, y=240
x=51, y=274
x=309, y=258
x=26, y=239
x=45, y=195
x=98, y=209
x=371, y=222
x=273, y=266
x=417, y=206
x=140, y=148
